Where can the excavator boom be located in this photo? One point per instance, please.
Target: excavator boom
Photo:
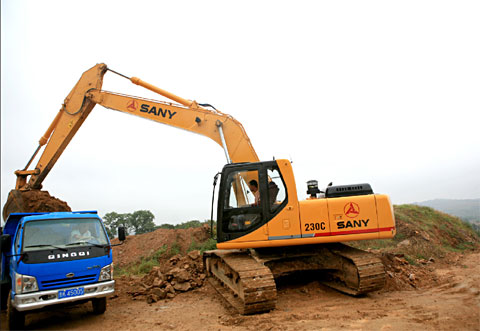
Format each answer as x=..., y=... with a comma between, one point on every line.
x=220, y=127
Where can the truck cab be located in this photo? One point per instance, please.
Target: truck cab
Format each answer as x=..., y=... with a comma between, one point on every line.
x=52, y=259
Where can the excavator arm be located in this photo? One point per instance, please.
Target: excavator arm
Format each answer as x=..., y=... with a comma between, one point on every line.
x=220, y=127
x=87, y=93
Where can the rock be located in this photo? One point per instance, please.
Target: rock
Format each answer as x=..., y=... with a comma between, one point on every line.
x=152, y=298
x=194, y=255
x=182, y=287
x=404, y=243
x=157, y=282
x=401, y=260
x=174, y=259
x=425, y=236
x=160, y=275
x=161, y=294
x=396, y=268
x=169, y=288
x=411, y=277
x=180, y=275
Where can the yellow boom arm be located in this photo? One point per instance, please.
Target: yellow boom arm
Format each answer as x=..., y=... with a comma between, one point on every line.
x=220, y=127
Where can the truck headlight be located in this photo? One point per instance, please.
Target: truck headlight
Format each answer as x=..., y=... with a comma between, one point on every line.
x=106, y=273
x=25, y=284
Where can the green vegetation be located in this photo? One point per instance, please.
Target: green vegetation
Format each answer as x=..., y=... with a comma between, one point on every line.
x=145, y=265
x=138, y=222
x=423, y=233
x=202, y=247
x=184, y=225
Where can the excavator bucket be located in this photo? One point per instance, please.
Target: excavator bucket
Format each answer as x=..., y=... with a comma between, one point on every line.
x=32, y=201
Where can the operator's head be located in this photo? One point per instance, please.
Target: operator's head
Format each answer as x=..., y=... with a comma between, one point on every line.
x=253, y=185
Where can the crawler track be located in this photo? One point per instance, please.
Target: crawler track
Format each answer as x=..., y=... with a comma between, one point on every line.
x=360, y=273
x=246, y=278
x=245, y=283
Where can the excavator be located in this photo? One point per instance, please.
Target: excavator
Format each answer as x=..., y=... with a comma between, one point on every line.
x=263, y=230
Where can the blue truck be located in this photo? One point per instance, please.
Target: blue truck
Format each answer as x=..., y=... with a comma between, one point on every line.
x=53, y=259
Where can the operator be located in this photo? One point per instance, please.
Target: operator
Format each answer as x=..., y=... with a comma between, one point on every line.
x=82, y=233
x=253, y=185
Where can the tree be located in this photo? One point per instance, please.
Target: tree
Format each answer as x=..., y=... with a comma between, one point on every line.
x=114, y=220
x=140, y=221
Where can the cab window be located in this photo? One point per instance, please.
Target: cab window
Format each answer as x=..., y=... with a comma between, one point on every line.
x=275, y=189
x=242, y=209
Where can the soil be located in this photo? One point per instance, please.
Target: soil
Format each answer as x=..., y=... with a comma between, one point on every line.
x=439, y=294
x=32, y=201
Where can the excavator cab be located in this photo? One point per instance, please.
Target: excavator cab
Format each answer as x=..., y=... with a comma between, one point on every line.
x=240, y=211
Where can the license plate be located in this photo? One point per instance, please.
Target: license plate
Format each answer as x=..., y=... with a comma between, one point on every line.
x=73, y=292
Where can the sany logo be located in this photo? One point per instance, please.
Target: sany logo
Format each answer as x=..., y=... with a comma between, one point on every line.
x=132, y=105
x=351, y=209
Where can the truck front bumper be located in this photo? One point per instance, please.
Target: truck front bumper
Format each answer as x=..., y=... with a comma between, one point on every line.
x=37, y=300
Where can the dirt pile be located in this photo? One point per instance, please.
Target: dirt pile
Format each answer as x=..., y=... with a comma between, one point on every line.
x=425, y=239
x=401, y=275
x=170, y=259
x=167, y=241
x=33, y=201
x=179, y=274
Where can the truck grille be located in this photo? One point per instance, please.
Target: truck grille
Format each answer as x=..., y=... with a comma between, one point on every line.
x=65, y=282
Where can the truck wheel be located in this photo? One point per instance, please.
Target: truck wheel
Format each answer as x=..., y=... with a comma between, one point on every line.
x=99, y=305
x=15, y=318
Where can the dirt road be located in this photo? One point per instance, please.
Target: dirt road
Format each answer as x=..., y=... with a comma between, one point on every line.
x=452, y=304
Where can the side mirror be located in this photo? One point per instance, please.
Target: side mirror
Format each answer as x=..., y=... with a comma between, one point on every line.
x=121, y=233
x=5, y=243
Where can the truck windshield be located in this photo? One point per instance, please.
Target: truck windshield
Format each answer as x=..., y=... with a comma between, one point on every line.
x=63, y=233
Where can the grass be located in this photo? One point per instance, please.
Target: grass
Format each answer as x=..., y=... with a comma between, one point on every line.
x=202, y=247
x=145, y=265
x=175, y=249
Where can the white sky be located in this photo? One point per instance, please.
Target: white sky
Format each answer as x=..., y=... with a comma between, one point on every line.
x=385, y=92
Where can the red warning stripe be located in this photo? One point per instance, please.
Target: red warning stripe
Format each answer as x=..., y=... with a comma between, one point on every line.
x=324, y=234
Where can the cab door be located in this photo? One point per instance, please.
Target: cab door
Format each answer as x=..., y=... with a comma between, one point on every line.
x=239, y=212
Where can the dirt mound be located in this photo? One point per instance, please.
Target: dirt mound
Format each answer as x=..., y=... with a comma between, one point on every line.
x=169, y=241
x=425, y=240
x=169, y=257
x=32, y=201
x=401, y=275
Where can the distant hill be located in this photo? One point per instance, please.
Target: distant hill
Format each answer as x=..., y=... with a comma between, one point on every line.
x=466, y=209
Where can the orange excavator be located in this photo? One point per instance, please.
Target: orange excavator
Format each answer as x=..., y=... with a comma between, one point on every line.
x=263, y=230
